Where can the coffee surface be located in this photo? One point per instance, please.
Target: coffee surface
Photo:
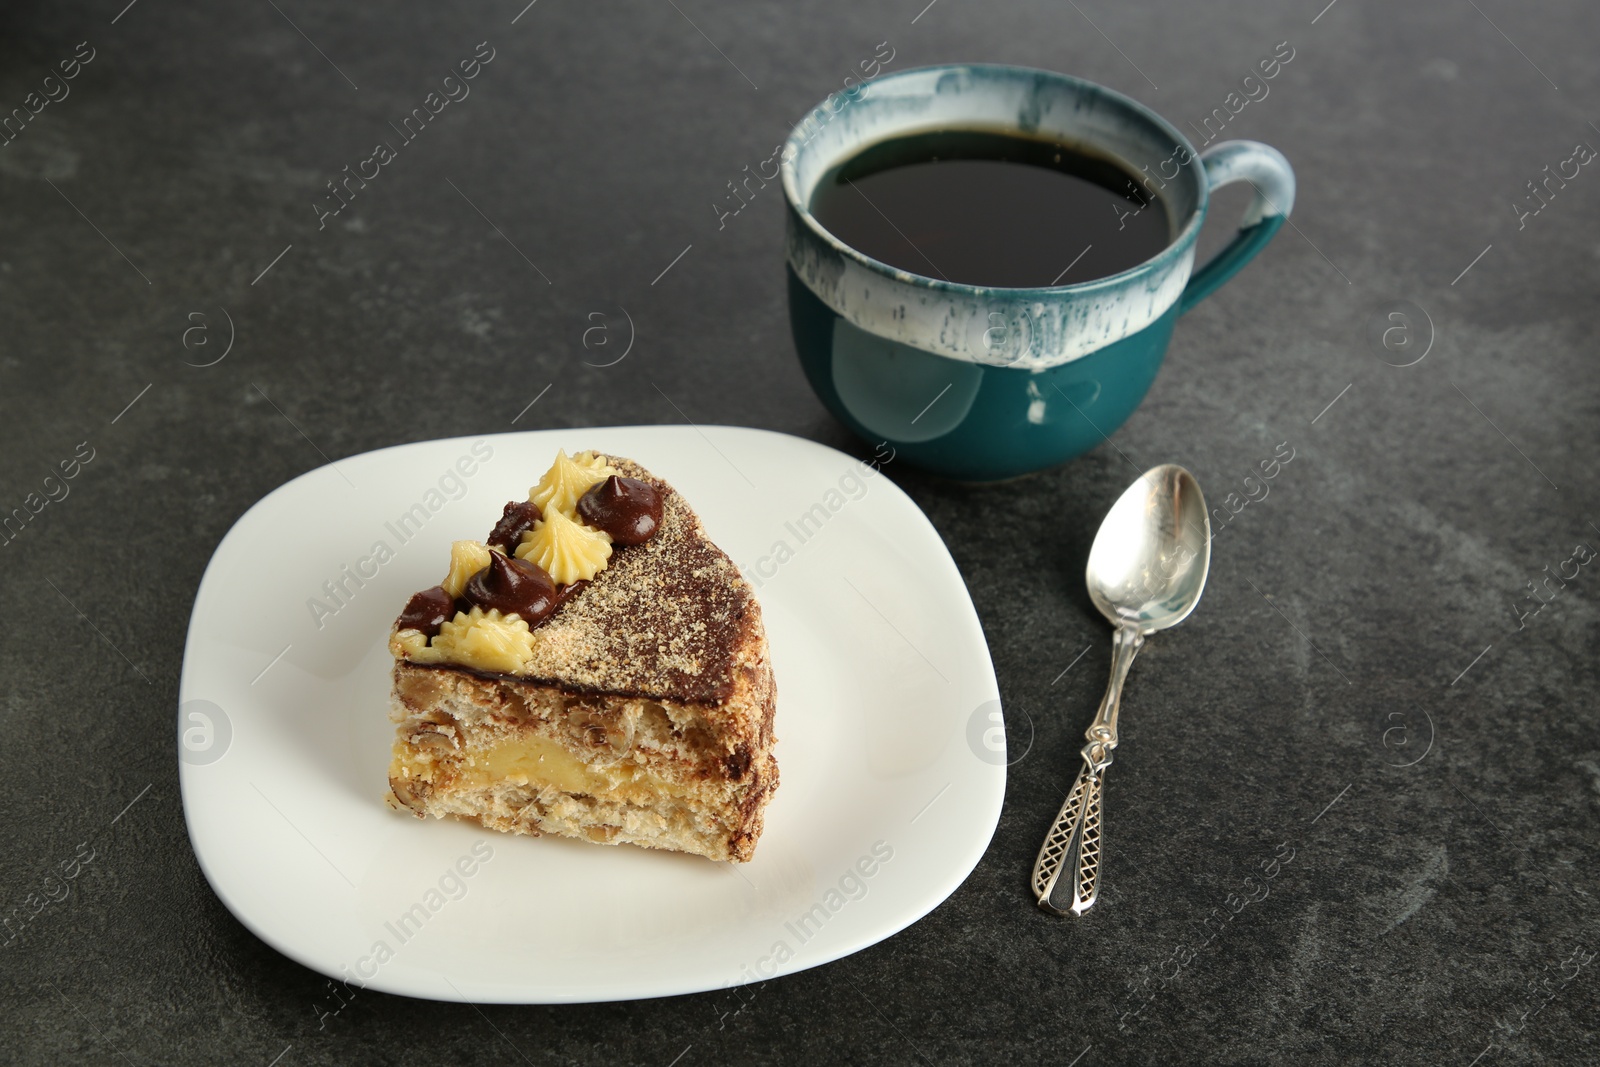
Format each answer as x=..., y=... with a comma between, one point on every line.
x=990, y=208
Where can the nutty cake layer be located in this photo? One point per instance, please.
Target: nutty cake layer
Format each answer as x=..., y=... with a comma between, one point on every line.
x=523, y=757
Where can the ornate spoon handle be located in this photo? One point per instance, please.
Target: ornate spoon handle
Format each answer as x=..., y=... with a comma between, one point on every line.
x=1073, y=843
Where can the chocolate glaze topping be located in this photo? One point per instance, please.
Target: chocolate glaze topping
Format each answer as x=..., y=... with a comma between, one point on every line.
x=666, y=619
x=567, y=592
x=427, y=611
x=626, y=508
x=513, y=587
x=517, y=519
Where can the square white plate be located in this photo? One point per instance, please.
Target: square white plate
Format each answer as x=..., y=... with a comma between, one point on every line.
x=892, y=762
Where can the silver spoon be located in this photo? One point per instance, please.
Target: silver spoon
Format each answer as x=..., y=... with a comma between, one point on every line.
x=1146, y=571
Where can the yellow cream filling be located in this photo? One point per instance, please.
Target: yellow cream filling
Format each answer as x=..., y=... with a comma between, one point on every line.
x=568, y=550
x=538, y=762
x=568, y=478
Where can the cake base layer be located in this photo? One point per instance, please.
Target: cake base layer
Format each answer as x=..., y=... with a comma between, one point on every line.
x=522, y=757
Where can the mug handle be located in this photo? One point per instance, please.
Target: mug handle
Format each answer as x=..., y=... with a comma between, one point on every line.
x=1264, y=168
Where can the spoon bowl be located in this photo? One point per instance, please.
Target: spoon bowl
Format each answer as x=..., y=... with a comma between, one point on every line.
x=1149, y=562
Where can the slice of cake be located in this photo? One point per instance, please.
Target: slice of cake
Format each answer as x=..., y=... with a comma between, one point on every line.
x=595, y=668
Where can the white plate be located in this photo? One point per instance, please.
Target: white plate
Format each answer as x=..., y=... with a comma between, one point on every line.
x=892, y=763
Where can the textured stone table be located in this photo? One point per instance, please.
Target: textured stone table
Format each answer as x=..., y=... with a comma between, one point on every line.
x=1365, y=694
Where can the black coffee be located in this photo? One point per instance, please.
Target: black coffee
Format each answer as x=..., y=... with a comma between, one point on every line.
x=993, y=209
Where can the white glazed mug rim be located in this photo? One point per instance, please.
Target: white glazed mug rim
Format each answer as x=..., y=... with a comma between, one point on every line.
x=1190, y=171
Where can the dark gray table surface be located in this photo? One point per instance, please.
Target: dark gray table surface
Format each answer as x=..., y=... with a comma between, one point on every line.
x=1363, y=615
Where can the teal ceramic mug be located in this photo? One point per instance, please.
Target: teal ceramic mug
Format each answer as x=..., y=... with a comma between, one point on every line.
x=982, y=384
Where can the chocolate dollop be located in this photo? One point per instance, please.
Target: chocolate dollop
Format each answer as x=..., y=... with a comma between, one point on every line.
x=626, y=508
x=513, y=587
x=427, y=611
x=517, y=519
